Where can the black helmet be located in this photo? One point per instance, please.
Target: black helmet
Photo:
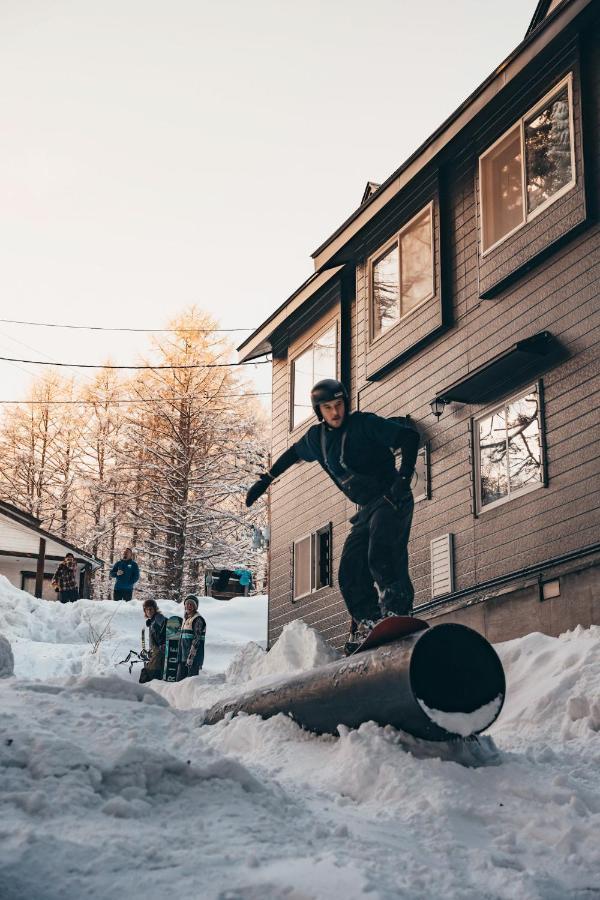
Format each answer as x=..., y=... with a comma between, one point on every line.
x=324, y=392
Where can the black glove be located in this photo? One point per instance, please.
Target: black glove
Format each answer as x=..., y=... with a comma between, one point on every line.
x=258, y=488
x=400, y=490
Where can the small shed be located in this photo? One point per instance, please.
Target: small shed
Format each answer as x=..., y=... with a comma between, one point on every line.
x=29, y=555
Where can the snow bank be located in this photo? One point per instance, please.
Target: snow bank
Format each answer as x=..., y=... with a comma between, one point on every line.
x=107, y=790
x=7, y=662
x=55, y=640
x=297, y=649
x=553, y=686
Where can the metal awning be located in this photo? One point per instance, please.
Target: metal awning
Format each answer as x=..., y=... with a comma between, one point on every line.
x=524, y=360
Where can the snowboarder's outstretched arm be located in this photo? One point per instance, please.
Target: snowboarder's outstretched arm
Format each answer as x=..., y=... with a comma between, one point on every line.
x=287, y=459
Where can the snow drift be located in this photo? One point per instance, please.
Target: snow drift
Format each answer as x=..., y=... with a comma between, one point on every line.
x=107, y=790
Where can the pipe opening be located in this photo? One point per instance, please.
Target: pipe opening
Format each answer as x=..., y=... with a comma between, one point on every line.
x=455, y=669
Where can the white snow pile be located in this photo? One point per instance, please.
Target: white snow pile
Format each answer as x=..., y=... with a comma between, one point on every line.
x=52, y=639
x=7, y=660
x=109, y=788
x=298, y=648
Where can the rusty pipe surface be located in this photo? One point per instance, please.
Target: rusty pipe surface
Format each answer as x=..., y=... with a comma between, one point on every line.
x=447, y=677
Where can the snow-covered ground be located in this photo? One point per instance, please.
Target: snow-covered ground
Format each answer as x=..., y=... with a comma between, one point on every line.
x=111, y=789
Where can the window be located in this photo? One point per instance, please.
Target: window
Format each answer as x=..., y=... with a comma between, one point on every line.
x=529, y=167
x=508, y=450
x=312, y=562
x=319, y=361
x=420, y=483
x=401, y=275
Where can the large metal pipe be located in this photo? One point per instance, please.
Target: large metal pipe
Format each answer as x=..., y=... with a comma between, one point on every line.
x=441, y=682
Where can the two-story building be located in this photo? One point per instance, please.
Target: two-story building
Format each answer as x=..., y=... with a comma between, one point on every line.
x=464, y=292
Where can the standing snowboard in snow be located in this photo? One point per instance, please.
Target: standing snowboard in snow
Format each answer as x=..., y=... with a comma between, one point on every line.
x=172, y=648
x=392, y=628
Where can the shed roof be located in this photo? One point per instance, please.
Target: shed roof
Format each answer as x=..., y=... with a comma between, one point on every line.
x=20, y=534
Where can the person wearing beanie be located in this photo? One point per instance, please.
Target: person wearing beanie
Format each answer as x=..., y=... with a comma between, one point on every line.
x=191, y=640
x=157, y=629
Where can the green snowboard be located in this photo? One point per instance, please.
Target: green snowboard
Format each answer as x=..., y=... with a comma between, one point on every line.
x=172, y=648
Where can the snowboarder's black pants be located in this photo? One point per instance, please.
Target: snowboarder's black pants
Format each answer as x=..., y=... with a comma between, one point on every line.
x=375, y=552
x=122, y=593
x=68, y=596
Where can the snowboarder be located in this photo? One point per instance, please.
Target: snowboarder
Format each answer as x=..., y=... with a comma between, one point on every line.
x=357, y=452
x=191, y=641
x=65, y=580
x=156, y=624
x=126, y=572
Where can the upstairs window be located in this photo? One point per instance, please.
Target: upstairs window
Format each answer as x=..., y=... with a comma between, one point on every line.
x=508, y=450
x=319, y=361
x=401, y=274
x=312, y=562
x=529, y=167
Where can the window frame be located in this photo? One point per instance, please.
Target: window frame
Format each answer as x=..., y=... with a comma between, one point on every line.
x=423, y=491
x=314, y=561
x=489, y=411
x=382, y=251
x=331, y=326
x=520, y=123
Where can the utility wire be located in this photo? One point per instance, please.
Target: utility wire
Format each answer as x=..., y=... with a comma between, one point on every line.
x=142, y=330
x=109, y=402
x=41, y=362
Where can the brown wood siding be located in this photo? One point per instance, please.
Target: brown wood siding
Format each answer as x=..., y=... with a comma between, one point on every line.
x=559, y=293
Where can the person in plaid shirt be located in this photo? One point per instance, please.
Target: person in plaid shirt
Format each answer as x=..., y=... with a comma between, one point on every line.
x=65, y=580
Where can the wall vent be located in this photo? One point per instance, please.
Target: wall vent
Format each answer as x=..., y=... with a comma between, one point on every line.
x=442, y=565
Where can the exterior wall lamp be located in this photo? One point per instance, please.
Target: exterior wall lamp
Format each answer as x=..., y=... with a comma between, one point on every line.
x=438, y=405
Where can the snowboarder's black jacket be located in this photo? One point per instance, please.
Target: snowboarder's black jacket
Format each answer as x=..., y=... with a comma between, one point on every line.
x=359, y=455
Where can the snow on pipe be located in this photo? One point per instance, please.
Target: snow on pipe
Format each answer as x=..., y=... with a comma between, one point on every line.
x=444, y=682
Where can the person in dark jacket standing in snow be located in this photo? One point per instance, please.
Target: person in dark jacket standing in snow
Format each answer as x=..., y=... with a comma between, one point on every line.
x=157, y=629
x=357, y=452
x=127, y=573
x=65, y=580
x=191, y=641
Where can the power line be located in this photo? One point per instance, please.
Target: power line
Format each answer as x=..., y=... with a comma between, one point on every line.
x=138, y=330
x=41, y=362
x=132, y=402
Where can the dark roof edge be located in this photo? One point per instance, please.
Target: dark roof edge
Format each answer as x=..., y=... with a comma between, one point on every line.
x=531, y=35
x=541, y=11
x=324, y=276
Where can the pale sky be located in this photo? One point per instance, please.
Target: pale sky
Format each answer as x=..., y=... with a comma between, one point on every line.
x=159, y=154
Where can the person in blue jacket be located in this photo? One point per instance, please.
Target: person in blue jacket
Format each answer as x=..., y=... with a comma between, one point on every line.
x=126, y=572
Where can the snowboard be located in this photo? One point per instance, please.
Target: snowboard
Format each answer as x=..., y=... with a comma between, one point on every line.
x=392, y=628
x=172, y=648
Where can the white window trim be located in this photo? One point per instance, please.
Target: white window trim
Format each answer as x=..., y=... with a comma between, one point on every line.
x=313, y=535
x=382, y=251
x=331, y=325
x=528, y=217
x=479, y=509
